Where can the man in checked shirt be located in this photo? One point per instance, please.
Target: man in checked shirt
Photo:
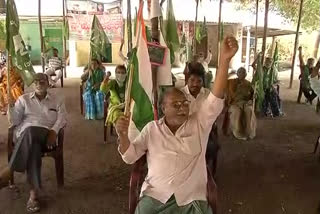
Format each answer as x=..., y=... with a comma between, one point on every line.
x=175, y=147
x=38, y=117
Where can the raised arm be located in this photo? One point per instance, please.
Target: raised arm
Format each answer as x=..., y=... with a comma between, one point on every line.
x=254, y=64
x=301, y=58
x=209, y=57
x=229, y=48
x=317, y=68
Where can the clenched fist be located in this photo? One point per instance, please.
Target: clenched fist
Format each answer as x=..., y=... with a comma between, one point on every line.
x=229, y=48
x=122, y=126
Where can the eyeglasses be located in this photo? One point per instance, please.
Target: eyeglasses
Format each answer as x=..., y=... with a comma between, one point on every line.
x=177, y=105
x=40, y=82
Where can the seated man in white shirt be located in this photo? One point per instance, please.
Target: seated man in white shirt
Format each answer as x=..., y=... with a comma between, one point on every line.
x=197, y=94
x=55, y=67
x=38, y=117
x=175, y=147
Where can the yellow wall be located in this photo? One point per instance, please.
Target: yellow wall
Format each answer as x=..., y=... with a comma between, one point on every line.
x=83, y=52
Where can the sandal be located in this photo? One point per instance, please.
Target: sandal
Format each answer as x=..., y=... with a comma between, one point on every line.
x=33, y=206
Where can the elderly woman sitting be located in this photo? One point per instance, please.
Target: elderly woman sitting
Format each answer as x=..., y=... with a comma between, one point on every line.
x=92, y=96
x=116, y=88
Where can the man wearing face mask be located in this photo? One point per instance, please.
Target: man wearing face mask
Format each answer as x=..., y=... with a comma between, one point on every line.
x=116, y=88
x=38, y=117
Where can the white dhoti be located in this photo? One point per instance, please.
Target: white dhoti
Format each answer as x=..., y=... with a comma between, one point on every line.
x=315, y=84
x=52, y=71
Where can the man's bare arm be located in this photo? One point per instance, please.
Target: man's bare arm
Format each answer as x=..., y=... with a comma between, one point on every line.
x=229, y=48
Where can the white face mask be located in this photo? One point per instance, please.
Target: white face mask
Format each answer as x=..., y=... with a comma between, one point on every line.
x=121, y=78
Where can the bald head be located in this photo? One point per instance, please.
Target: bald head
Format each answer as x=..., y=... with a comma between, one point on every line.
x=172, y=94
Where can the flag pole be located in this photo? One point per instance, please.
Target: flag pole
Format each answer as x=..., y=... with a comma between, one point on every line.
x=129, y=24
x=8, y=81
x=296, y=44
x=194, y=29
x=128, y=92
x=64, y=39
x=265, y=30
x=256, y=30
x=41, y=35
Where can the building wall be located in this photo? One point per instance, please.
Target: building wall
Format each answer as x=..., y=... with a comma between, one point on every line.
x=79, y=56
x=228, y=29
x=31, y=36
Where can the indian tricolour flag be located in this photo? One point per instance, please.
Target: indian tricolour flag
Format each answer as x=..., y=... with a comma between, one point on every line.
x=141, y=91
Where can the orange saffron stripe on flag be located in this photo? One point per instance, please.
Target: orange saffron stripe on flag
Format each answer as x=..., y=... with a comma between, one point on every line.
x=140, y=21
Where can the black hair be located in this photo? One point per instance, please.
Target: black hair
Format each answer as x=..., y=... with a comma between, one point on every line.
x=55, y=49
x=121, y=67
x=196, y=69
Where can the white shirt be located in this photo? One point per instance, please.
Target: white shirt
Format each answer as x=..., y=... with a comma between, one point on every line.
x=195, y=102
x=28, y=111
x=55, y=62
x=176, y=163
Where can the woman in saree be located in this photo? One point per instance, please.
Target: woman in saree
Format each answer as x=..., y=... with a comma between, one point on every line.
x=116, y=88
x=92, y=96
x=16, y=86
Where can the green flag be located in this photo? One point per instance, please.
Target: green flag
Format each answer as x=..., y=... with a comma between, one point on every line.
x=275, y=65
x=99, y=42
x=201, y=31
x=257, y=82
x=66, y=29
x=170, y=32
x=16, y=46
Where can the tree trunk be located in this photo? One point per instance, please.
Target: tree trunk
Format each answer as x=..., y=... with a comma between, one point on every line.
x=64, y=39
x=296, y=44
x=265, y=31
x=41, y=35
x=219, y=35
x=316, y=46
x=2, y=6
x=256, y=30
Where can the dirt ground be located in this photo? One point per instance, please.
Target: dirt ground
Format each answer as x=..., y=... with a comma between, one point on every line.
x=275, y=173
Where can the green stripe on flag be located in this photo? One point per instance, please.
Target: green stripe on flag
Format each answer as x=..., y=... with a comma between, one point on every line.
x=99, y=42
x=142, y=110
x=257, y=82
x=16, y=46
